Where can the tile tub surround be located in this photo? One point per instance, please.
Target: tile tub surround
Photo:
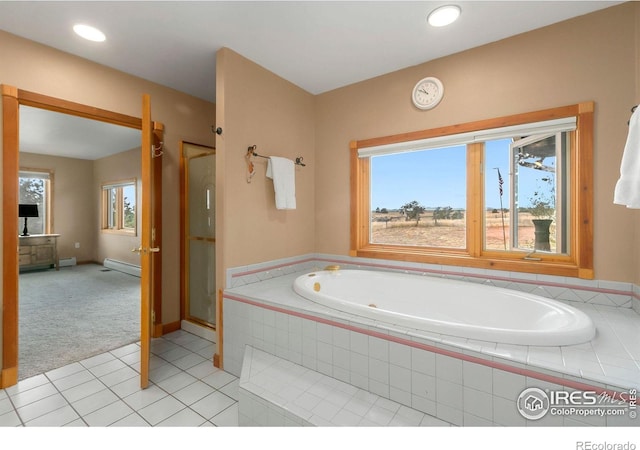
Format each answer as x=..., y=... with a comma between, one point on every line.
x=427, y=372
x=594, y=292
x=275, y=392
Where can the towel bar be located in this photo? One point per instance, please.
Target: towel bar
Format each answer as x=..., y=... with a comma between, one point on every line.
x=252, y=152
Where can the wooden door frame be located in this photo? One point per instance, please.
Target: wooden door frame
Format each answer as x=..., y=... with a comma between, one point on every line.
x=12, y=98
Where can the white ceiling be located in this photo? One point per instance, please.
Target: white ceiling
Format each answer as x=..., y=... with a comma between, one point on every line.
x=51, y=133
x=317, y=45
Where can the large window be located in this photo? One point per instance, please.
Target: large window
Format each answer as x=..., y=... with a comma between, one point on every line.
x=119, y=207
x=512, y=193
x=34, y=188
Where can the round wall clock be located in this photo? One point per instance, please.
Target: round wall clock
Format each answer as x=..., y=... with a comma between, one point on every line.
x=427, y=93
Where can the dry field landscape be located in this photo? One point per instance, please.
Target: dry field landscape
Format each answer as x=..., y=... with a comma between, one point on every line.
x=392, y=228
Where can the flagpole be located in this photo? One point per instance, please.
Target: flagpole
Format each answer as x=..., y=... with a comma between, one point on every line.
x=504, y=233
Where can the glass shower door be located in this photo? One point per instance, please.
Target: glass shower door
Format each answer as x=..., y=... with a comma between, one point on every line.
x=200, y=232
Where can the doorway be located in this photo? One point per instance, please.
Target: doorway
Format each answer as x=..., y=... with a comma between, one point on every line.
x=198, y=235
x=12, y=100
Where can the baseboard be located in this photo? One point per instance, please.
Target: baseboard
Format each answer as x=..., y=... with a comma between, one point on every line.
x=170, y=327
x=201, y=331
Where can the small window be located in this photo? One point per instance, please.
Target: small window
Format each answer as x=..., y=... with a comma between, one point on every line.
x=512, y=193
x=35, y=189
x=119, y=207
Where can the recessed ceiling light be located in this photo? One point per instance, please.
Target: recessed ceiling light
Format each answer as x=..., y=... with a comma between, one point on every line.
x=444, y=15
x=89, y=33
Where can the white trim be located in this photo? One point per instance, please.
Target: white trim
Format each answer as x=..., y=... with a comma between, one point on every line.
x=545, y=127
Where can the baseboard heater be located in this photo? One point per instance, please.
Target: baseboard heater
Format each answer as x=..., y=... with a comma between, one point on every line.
x=68, y=262
x=121, y=266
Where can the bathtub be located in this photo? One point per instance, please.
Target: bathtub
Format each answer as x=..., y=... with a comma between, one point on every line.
x=449, y=307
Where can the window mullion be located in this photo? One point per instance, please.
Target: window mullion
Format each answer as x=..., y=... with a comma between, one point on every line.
x=119, y=208
x=475, y=194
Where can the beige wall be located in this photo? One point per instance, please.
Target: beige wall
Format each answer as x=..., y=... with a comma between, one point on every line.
x=593, y=57
x=256, y=107
x=72, y=197
x=122, y=166
x=41, y=69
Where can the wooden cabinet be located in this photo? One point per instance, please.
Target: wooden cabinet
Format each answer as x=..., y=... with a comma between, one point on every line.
x=39, y=251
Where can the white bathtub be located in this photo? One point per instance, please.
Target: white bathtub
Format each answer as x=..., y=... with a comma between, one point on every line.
x=454, y=308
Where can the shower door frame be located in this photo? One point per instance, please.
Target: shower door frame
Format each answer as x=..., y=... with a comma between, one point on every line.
x=185, y=235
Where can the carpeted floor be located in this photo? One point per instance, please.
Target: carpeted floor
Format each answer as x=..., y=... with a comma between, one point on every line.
x=74, y=313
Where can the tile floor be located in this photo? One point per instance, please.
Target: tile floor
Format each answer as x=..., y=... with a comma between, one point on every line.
x=184, y=390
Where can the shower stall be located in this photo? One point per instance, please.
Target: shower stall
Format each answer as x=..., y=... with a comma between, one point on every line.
x=198, y=233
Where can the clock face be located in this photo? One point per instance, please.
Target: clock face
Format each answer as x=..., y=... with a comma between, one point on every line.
x=427, y=93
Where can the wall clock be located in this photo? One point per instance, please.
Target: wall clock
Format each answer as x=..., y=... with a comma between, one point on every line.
x=427, y=93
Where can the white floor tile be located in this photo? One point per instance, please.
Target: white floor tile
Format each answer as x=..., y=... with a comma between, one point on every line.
x=10, y=419
x=33, y=395
x=132, y=420
x=126, y=350
x=74, y=380
x=175, y=353
x=41, y=407
x=188, y=361
x=94, y=402
x=108, y=367
x=83, y=390
x=27, y=384
x=202, y=370
x=145, y=397
x=104, y=390
x=126, y=388
x=118, y=376
x=163, y=372
x=184, y=418
x=177, y=382
x=108, y=415
x=231, y=389
x=212, y=404
x=161, y=410
x=227, y=418
x=219, y=378
x=64, y=371
x=194, y=392
x=5, y=405
x=56, y=418
x=97, y=360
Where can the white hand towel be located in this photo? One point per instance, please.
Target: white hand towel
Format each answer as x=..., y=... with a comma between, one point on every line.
x=627, y=190
x=282, y=172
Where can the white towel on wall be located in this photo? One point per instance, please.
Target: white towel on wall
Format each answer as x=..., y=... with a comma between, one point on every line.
x=627, y=190
x=282, y=172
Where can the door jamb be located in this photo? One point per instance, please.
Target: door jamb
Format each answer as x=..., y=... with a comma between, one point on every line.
x=12, y=98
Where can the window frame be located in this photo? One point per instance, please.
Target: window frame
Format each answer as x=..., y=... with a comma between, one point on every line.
x=47, y=176
x=577, y=263
x=105, y=199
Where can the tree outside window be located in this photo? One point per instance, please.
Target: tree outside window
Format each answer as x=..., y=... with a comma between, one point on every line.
x=119, y=207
